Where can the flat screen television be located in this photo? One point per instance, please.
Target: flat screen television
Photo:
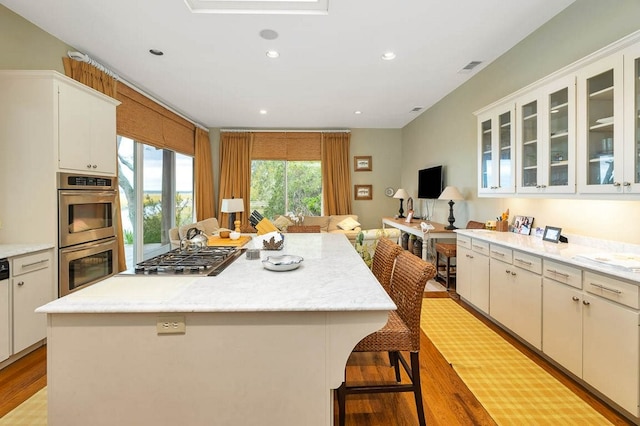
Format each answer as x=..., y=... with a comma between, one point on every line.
x=430, y=182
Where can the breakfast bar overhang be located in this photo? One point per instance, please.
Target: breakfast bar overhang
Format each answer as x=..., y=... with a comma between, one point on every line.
x=259, y=348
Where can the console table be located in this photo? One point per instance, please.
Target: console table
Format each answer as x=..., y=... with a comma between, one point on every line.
x=414, y=228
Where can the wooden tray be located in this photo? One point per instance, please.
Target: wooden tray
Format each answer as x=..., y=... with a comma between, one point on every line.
x=215, y=240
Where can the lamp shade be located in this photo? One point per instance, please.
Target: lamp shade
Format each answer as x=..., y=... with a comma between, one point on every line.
x=401, y=193
x=451, y=193
x=232, y=205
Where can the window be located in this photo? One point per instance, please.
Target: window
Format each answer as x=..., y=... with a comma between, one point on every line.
x=280, y=186
x=156, y=194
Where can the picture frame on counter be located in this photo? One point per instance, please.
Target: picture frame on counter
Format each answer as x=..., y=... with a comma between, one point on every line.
x=522, y=225
x=551, y=234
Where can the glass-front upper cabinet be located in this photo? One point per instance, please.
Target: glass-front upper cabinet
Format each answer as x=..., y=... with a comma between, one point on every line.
x=600, y=101
x=545, y=138
x=496, y=130
x=631, y=180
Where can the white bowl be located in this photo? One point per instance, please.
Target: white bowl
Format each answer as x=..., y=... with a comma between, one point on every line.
x=234, y=235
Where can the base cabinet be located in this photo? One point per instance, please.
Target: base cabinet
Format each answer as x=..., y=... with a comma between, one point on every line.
x=5, y=323
x=610, y=351
x=31, y=287
x=472, y=280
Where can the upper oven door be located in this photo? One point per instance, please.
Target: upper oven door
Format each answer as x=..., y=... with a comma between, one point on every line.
x=85, y=216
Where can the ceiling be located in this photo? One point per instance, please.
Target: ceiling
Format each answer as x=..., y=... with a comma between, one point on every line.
x=215, y=70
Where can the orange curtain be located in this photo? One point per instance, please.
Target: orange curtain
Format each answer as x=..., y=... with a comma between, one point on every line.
x=204, y=192
x=336, y=177
x=235, y=172
x=91, y=76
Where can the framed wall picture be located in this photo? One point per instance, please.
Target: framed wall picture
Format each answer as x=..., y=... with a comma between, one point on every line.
x=522, y=225
x=552, y=234
x=362, y=164
x=363, y=192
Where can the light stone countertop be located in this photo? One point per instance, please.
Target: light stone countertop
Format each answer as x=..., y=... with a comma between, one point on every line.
x=332, y=277
x=564, y=252
x=11, y=250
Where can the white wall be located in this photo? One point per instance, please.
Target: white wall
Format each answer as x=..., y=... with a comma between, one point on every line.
x=446, y=133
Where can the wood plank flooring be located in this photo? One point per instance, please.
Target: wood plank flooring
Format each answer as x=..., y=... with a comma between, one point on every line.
x=447, y=399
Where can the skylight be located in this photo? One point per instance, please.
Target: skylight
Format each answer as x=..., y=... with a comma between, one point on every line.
x=269, y=7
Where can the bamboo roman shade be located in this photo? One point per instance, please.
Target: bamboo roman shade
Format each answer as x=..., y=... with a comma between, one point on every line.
x=290, y=146
x=142, y=119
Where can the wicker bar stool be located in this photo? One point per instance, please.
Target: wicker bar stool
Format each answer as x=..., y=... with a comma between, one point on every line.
x=384, y=258
x=401, y=333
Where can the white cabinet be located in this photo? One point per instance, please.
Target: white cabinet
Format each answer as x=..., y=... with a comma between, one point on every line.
x=5, y=321
x=631, y=178
x=87, y=131
x=545, y=139
x=31, y=286
x=516, y=292
x=472, y=275
x=496, y=135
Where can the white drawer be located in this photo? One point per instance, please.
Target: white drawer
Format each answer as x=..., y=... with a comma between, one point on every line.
x=612, y=289
x=527, y=261
x=480, y=246
x=463, y=241
x=501, y=253
x=562, y=273
x=30, y=262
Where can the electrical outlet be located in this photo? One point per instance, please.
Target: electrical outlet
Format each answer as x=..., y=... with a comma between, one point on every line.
x=171, y=325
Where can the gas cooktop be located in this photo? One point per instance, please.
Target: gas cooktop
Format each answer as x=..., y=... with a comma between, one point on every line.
x=208, y=261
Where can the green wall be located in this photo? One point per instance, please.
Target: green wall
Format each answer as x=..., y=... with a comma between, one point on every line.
x=446, y=133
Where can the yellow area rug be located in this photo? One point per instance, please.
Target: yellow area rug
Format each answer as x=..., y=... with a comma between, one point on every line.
x=32, y=412
x=512, y=388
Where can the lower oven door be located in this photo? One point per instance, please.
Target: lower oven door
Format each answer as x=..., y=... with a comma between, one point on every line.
x=86, y=264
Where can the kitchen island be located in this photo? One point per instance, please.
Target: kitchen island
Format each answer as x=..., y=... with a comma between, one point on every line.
x=258, y=347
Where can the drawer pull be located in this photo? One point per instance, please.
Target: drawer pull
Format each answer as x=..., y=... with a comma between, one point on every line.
x=575, y=298
x=513, y=273
x=526, y=262
x=26, y=265
x=469, y=256
x=497, y=252
x=612, y=290
x=20, y=283
x=585, y=303
x=478, y=247
x=562, y=274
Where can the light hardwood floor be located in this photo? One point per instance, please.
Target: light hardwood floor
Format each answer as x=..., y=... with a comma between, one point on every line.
x=447, y=400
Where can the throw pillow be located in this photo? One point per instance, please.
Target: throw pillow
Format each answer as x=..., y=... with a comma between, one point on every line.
x=282, y=223
x=348, y=224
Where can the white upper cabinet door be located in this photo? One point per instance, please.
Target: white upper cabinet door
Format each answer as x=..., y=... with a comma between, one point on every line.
x=599, y=126
x=496, y=137
x=545, y=139
x=631, y=174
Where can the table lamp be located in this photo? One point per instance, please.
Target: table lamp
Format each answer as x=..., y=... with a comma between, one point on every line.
x=402, y=195
x=451, y=193
x=232, y=206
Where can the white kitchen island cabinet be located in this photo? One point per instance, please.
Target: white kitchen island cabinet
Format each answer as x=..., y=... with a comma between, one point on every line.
x=259, y=347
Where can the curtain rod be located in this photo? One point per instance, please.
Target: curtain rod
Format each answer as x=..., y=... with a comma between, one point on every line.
x=285, y=131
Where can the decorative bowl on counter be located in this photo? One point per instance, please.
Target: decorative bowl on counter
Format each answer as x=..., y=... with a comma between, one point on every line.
x=285, y=262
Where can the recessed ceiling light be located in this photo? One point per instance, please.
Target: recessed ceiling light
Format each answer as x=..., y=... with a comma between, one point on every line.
x=268, y=34
x=388, y=56
x=272, y=54
x=156, y=52
x=263, y=111
x=357, y=112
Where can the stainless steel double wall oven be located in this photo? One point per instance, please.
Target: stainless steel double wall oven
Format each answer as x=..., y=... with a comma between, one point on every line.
x=88, y=249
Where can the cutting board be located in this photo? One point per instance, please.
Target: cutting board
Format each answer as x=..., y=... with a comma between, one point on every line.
x=215, y=240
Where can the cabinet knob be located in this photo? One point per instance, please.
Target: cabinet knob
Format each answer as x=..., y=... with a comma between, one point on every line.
x=616, y=184
x=626, y=184
x=95, y=166
x=513, y=273
x=88, y=166
x=20, y=283
x=507, y=271
x=575, y=298
x=585, y=303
